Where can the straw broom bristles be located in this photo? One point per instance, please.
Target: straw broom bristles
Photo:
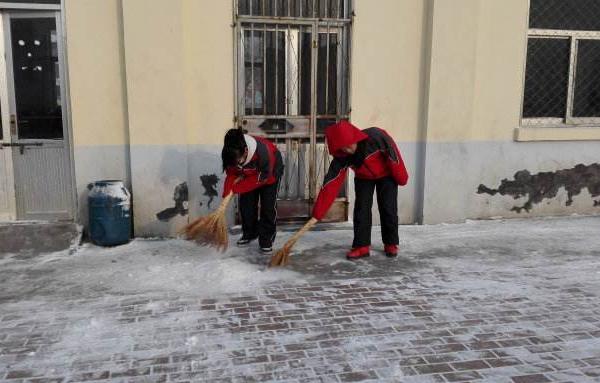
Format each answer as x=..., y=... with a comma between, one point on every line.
x=281, y=257
x=210, y=230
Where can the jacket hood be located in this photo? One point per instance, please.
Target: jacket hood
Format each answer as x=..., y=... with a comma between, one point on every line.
x=342, y=134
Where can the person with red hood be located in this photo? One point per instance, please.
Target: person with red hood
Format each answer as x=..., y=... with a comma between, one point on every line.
x=378, y=166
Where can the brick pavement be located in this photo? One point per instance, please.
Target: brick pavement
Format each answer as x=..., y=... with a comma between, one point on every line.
x=522, y=321
x=338, y=331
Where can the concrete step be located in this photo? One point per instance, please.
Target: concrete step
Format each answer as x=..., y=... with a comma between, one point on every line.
x=29, y=238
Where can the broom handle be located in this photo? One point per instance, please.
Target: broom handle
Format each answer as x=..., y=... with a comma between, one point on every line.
x=224, y=204
x=307, y=226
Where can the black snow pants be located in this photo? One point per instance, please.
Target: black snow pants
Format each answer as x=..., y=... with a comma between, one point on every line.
x=387, y=201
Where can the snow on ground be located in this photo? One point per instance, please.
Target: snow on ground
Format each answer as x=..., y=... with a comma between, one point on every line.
x=477, y=256
x=82, y=302
x=167, y=265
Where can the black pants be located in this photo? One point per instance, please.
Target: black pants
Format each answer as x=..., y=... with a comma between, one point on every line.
x=264, y=228
x=387, y=200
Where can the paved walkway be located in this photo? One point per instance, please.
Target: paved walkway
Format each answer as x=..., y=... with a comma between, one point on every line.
x=513, y=301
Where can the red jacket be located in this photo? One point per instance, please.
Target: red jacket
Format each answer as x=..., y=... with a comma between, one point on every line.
x=376, y=156
x=265, y=167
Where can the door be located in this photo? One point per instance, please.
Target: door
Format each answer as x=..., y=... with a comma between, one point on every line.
x=292, y=81
x=39, y=139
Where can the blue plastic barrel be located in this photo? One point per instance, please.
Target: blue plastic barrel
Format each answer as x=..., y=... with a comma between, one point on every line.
x=109, y=204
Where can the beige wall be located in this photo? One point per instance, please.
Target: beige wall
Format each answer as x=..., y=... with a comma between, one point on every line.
x=387, y=62
x=478, y=53
x=180, y=71
x=208, y=68
x=501, y=49
x=96, y=75
x=155, y=77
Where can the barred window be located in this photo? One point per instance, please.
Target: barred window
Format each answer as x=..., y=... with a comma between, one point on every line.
x=562, y=75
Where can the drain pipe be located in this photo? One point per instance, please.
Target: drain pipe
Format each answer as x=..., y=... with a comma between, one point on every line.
x=425, y=77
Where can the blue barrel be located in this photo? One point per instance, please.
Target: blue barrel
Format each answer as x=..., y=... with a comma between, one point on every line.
x=109, y=204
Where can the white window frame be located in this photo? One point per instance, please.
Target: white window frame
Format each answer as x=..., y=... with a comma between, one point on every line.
x=569, y=120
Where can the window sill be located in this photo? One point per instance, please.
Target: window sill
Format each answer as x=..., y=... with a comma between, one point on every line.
x=527, y=134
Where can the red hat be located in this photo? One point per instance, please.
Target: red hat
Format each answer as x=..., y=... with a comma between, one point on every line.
x=342, y=134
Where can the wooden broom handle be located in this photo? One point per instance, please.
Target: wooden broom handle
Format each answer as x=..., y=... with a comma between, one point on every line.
x=307, y=226
x=224, y=203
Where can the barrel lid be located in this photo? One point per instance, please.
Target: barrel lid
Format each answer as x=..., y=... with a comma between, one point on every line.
x=108, y=182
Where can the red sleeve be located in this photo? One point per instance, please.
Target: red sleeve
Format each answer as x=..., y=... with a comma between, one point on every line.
x=395, y=162
x=229, y=182
x=265, y=164
x=331, y=188
x=398, y=170
x=248, y=184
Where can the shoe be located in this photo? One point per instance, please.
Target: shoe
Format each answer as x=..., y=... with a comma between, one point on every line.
x=244, y=241
x=358, y=252
x=391, y=251
x=266, y=249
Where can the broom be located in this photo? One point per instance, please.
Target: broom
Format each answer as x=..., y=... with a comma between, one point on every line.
x=281, y=257
x=210, y=230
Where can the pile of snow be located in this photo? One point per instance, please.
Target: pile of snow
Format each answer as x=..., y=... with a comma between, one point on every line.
x=167, y=265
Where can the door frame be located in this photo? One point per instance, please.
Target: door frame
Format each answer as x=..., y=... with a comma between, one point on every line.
x=317, y=26
x=11, y=214
x=7, y=101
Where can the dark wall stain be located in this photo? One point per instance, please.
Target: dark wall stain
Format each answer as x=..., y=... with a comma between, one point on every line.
x=545, y=185
x=209, y=183
x=180, y=196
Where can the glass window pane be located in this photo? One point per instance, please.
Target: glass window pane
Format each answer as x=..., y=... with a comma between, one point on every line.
x=565, y=14
x=546, y=78
x=253, y=72
x=282, y=8
x=307, y=8
x=305, y=73
x=275, y=80
x=257, y=7
x=332, y=96
x=37, y=78
x=327, y=74
x=243, y=7
x=587, y=80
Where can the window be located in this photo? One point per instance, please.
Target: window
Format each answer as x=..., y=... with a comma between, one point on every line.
x=562, y=75
x=292, y=64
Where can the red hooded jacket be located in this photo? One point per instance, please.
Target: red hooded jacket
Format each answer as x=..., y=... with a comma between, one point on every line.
x=265, y=167
x=376, y=156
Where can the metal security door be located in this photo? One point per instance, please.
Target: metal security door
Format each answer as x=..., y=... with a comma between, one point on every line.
x=292, y=81
x=38, y=127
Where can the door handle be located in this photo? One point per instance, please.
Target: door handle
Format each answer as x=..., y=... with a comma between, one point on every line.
x=13, y=125
x=21, y=146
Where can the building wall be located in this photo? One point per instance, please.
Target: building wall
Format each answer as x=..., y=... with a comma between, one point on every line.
x=476, y=77
x=388, y=83
x=180, y=97
x=152, y=95
x=97, y=93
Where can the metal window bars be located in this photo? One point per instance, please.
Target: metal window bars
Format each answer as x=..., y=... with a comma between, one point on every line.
x=562, y=72
x=304, y=9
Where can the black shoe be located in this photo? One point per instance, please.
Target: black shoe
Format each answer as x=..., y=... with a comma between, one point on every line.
x=266, y=249
x=391, y=255
x=244, y=241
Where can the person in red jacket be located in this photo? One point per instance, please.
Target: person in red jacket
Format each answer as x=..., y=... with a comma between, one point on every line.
x=378, y=165
x=253, y=168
